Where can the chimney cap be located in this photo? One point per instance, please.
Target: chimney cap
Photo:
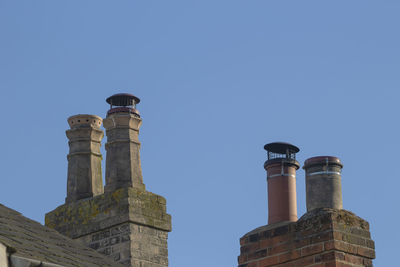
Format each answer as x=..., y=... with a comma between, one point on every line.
x=123, y=99
x=331, y=160
x=281, y=148
x=84, y=120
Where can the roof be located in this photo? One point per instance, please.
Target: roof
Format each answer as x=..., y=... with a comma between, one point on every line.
x=25, y=238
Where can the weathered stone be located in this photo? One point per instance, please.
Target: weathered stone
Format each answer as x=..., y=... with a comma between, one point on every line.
x=110, y=209
x=129, y=221
x=123, y=167
x=84, y=158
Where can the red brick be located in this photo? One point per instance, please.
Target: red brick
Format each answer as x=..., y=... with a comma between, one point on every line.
x=360, y=232
x=307, y=233
x=266, y=243
x=290, y=255
x=366, y=252
x=330, y=264
x=313, y=249
x=318, y=258
x=353, y=259
x=370, y=243
x=269, y=261
x=352, y=239
x=339, y=245
x=339, y=255
x=242, y=258
x=302, y=242
x=281, y=239
x=351, y=249
x=332, y=256
x=252, y=264
x=329, y=245
x=304, y=262
x=251, y=247
x=328, y=235
x=367, y=263
x=257, y=254
x=314, y=231
x=337, y=235
x=279, y=249
x=312, y=243
x=343, y=264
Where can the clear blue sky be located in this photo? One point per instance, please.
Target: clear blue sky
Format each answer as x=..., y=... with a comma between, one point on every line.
x=218, y=80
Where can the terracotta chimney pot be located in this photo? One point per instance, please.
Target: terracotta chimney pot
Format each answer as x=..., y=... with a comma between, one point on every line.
x=281, y=169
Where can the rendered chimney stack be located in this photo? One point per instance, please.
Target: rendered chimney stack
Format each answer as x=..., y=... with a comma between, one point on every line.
x=323, y=182
x=122, y=125
x=84, y=158
x=281, y=169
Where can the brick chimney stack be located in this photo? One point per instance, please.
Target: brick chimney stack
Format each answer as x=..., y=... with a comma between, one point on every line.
x=126, y=222
x=323, y=182
x=84, y=159
x=281, y=169
x=123, y=156
x=326, y=236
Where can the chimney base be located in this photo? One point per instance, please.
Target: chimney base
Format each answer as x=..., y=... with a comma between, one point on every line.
x=129, y=225
x=323, y=236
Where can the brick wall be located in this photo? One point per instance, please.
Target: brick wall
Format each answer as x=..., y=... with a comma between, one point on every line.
x=321, y=238
x=113, y=242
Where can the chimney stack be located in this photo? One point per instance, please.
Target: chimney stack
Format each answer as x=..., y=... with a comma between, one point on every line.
x=281, y=169
x=122, y=125
x=84, y=158
x=323, y=182
x=326, y=235
x=125, y=222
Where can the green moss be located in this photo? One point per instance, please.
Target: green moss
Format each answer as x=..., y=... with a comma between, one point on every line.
x=117, y=195
x=77, y=217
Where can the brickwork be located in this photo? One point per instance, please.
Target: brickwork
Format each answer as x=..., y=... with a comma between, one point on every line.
x=129, y=225
x=321, y=238
x=115, y=242
x=152, y=251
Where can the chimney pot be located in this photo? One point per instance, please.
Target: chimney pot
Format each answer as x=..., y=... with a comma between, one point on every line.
x=281, y=169
x=124, y=103
x=84, y=159
x=122, y=125
x=323, y=182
